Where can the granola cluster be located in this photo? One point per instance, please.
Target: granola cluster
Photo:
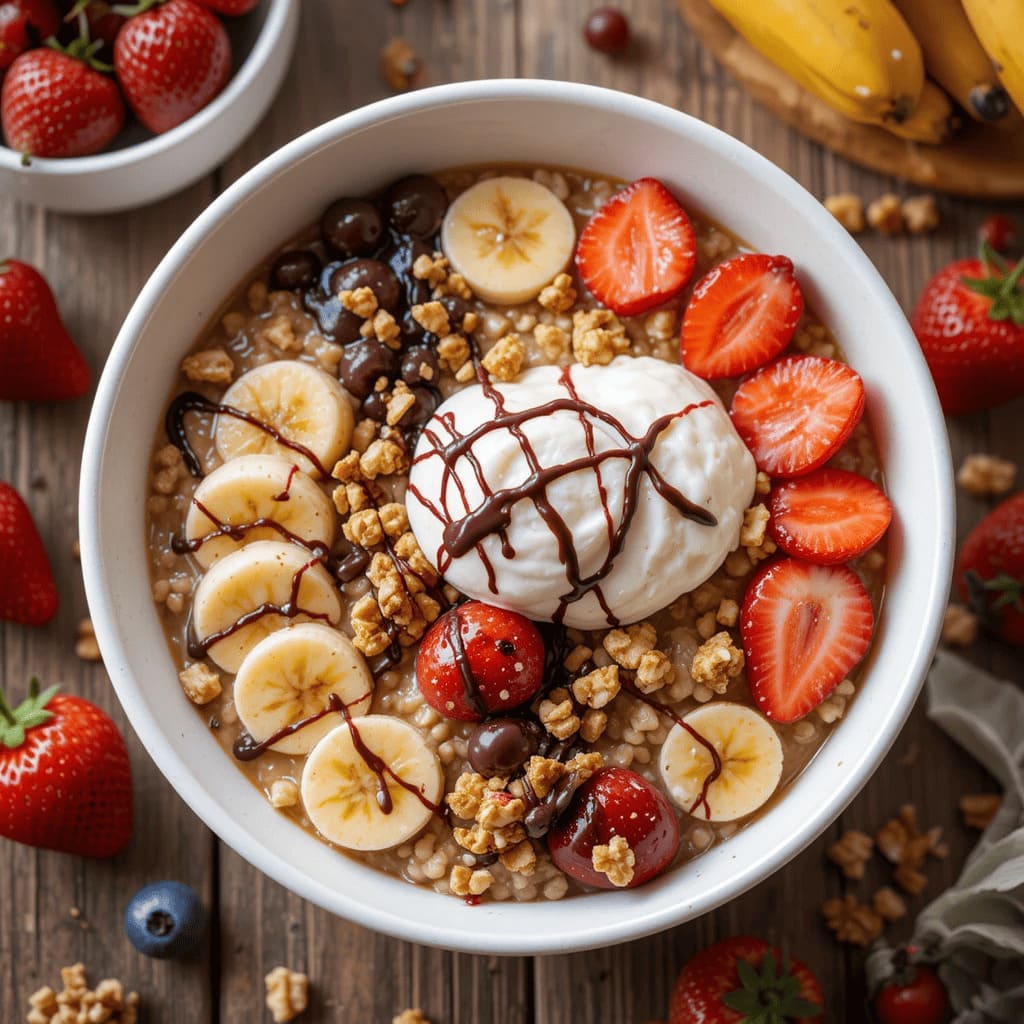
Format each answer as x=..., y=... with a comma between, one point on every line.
x=287, y=994
x=108, y=1003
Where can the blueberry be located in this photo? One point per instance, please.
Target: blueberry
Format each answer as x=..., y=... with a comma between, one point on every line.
x=165, y=920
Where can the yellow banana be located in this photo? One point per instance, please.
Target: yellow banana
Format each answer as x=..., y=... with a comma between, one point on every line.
x=859, y=56
x=999, y=25
x=954, y=57
x=934, y=119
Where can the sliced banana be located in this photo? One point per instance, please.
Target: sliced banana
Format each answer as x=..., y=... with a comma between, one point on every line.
x=262, y=574
x=289, y=676
x=343, y=794
x=252, y=488
x=751, y=757
x=508, y=237
x=300, y=402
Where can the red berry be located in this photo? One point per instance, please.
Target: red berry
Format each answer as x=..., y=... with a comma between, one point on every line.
x=795, y=413
x=607, y=30
x=232, y=8
x=638, y=250
x=615, y=802
x=804, y=627
x=828, y=516
x=999, y=231
x=741, y=314
x=477, y=659
x=27, y=591
x=24, y=24
x=919, y=1000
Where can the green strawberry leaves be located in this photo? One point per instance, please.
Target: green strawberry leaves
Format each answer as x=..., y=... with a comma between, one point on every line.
x=1002, y=286
x=771, y=996
x=27, y=715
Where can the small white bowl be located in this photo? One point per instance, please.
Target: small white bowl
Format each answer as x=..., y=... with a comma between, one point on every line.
x=140, y=167
x=542, y=123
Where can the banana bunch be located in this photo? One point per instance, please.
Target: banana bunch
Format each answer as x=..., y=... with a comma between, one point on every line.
x=903, y=65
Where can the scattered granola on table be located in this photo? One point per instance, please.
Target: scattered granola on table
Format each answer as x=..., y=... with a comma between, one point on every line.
x=287, y=994
x=76, y=1003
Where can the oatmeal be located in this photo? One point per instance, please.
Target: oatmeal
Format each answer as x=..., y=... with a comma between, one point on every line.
x=451, y=550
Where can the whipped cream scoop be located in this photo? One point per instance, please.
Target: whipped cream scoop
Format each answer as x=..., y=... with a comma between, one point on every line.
x=587, y=495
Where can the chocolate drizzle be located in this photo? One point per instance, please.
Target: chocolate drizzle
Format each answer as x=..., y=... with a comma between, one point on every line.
x=192, y=401
x=493, y=515
x=470, y=685
x=286, y=494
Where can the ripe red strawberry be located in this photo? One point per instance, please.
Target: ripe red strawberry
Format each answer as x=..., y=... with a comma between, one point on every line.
x=969, y=322
x=990, y=569
x=795, y=413
x=65, y=779
x=828, y=516
x=171, y=60
x=744, y=979
x=804, y=627
x=615, y=802
x=638, y=250
x=27, y=591
x=24, y=24
x=232, y=8
x=742, y=313
x=38, y=359
x=57, y=104
x=477, y=659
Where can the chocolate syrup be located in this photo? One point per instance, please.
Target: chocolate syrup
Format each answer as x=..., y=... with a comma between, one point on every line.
x=192, y=401
x=470, y=685
x=286, y=494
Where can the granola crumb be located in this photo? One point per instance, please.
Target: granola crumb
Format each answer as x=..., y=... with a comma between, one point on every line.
x=553, y=341
x=627, y=646
x=287, y=993
x=200, y=683
x=399, y=64
x=413, y=1016
x=361, y=301
x=597, y=336
x=848, y=209
x=615, y=860
x=755, y=524
x=598, y=688
x=885, y=214
x=978, y=809
x=559, y=296
x=284, y=793
x=78, y=1004
x=213, y=366
x=556, y=714
x=986, y=476
x=86, y=646
x=920, y=214
x=432, y=317
x=280, y=332
x=465, y=881
x=959, y=626
x=505, y=360
x=717, y=661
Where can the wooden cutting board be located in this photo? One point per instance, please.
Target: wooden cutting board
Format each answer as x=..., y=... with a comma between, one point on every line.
x=981, y=161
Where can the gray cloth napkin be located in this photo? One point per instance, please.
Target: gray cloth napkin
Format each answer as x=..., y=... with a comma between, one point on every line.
x=975, y=929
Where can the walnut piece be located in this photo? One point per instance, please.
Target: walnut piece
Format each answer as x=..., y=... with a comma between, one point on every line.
x=399, y=64
x=986, y=476
x=848, y=209
x=542, y=773
x=505, y=360
x=851, y=852
x=959, y=626
x=615, y=860
x=287, y=993
x=627, y=646
x=920, y=214
x=86, y=646
x=520, y=859
x=889, y=904
x=77, y=1004
x=498, y=809
x=901, y=843
x=557, y=715
x=200, y=683
x=597, y=336
x=467, y=882
x=383, y=458
x=559, y=296
x=885, y=214
x=597, y=688
x=654, y=672
x=413, y=1016
x=852, y=922
x=978, y=809
x=593, y=725
x=213, y=366
x=716, y=662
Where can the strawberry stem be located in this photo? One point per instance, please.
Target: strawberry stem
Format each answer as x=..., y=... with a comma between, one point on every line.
x=1003, y=288
x=82, y=49
x=31, y=712
x=131, y=10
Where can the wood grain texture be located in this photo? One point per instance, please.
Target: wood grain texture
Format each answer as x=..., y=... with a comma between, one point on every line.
x=96, y=266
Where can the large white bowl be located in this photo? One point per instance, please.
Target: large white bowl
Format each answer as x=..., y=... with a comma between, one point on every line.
x=141, y=168
x=544, y=123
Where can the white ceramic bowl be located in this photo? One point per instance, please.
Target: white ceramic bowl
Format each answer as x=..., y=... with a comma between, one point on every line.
x=140, y=167
x=544, y=123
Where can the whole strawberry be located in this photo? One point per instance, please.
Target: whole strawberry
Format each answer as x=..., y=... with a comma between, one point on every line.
x=171, y=60
x=990, y=569
x=24, y=24
x=27, y=592
x=232, y=8
x=38, y=359
x=970, y=323
x=65, y=778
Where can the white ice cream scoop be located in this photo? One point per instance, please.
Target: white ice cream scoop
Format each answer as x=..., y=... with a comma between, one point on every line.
x=589, y=495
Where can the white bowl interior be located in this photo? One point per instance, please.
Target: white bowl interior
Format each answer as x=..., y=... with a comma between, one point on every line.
x=543, y=123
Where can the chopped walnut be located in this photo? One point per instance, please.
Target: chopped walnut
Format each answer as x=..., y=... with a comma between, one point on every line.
x=920, y=214
x=287, y=993
x=383, y=458
x=902, y=844
x=553, y=341
x=499, y=809
x=86, y=646
x=888, y=904
x=615, y=860
x=367, y=625
x=848, y=209
x=200, y=683
x=280, y=332
x=852, y=922
x=214, y=366
x=597, y=336
x=627, y=646
x=559, y=296
x=978, y=809
x=399, y=64
x=542, y=773
x=467, y=882
x=584, y=764
x=402, y=400
x=885, y=214
x=959, y=626
x=432, y=269
x=465, y=799
x=851, y=853
x=755, y=523
x=557, y=715
x=654, y=672
x=521, y=859
x=593, y=725
x=505, y=360
x=480, y=840
x=432, y=317
x=716, y=662
x=364, y=528
x=283, y=793
x=77, y=1004
x=986, y=476
x=393, y=519
x=361, y=301
x=413, y=1016
x=597, y=688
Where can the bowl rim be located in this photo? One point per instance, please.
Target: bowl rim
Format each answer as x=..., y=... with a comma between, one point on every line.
x=438, y=931
x=117, y=159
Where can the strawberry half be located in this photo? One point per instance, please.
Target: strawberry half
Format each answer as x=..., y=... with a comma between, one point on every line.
x=27, y=591
x=638, y=250
x=804, y=627
x=828, y=516
x=742, y=313
x=795, y=414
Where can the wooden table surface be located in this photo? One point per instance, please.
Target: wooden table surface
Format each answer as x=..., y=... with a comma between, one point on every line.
x=96, y=266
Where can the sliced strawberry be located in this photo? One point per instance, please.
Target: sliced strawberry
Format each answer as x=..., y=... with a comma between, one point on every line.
x=794, y=414
x=741, y=314
x=829, y=516
x=638, y=250
x=804, y=627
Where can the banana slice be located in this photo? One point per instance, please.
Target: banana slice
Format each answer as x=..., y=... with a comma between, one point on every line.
x=342, y=793
x=751, y=762
x=298, y=401
x=262, y=574
x=253, y=488
x=289, y=675
x=508, y=237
